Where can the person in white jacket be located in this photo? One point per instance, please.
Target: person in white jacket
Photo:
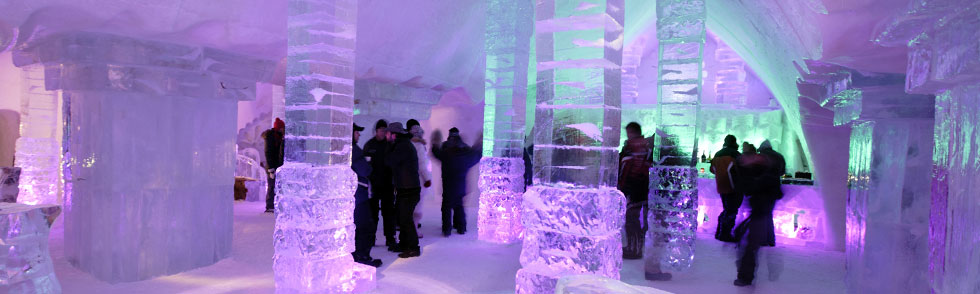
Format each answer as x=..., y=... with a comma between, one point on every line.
x=425, y=172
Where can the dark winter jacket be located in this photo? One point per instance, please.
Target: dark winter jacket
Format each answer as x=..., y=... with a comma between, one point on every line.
x=380, y=172
x=404, y=163
x=722, y=165
x=362, y=168
x=274, y=144
x=634, y=169
x=457, y=158
x=528, y=166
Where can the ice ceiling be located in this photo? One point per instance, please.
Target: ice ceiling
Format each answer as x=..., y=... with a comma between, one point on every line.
x=439, y=43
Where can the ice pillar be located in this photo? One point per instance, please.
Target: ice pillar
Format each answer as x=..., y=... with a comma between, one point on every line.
x=944, y=60
x=508, y=42
x=314, y=233
x=38, y=152
x=730, y=86
x=673, y=178
x=573, y=214
x=26, y=263
x=152, y=145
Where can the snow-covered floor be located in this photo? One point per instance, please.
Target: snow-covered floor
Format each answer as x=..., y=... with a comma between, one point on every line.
x=459, y=264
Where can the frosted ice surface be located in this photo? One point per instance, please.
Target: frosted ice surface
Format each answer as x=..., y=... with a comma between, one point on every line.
x=37, y=151
x=502, y=187
x=593, y=284
x=583, y=212
x=9, y=179
x=26, y=266
x=558, y=253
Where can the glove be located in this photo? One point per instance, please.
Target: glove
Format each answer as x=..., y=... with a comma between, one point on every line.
x=428, y=183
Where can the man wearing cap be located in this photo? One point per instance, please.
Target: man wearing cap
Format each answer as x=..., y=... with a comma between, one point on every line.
x=274, y=145
x=363, y=235
x=382, y=192
x=404, y=164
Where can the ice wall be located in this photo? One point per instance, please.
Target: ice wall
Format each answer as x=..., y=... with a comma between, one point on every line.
x=151, y=130
x=943, y=60
x=673, y=178
x=38, y=153
x=573, y=214
x=508, y=37
x=314, y=232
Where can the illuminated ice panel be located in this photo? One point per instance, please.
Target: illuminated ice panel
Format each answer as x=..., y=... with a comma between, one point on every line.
x=502, y=187
x=38, y=152
x=26, y=263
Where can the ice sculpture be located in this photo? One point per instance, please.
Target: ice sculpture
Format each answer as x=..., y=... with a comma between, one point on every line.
x=314, y=233
x=573, y=214
x=9, y=180
x=673, y=178
x=151, y=130
x=37, y=151
x=26, y=266
x=943, y=60
x=508, y=43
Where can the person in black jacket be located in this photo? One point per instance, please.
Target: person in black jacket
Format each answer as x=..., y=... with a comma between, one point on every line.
x=404, y=164
x=457, y=158
x=364, y=236
x=759, y=178
x=382, y=192
x=274, y=145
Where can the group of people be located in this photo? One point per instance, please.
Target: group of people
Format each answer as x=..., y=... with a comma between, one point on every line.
x=753, y=173
x=394, y=177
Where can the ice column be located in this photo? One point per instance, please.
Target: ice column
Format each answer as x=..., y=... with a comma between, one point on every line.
x=38, y=152
x=889, y=159
x=152, y=145
x=673, y=179
x=943, y=60
x=632, y=58
x=314, y=232
x=508, y=42
x=573, y=214
x=26, y=263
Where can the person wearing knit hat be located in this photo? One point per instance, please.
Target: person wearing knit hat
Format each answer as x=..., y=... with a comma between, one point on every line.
x=759, y=177
x=382, y=192
x=425, y=171
x=404, y=163
x=364, y=236
x=274, y=158
x=457, y=159
x=723, y=166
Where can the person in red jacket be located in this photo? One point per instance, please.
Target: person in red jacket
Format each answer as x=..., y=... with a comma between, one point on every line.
x=723, y=165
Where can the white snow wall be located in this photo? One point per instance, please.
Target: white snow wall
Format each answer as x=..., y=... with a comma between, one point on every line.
x=151, y=144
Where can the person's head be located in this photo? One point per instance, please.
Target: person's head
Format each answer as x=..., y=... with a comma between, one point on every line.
x=748, y=148
x=453, y=132
x=380, y=130
x=633, y=131
x=731, y=142
x=766, y=145
x=416, y=131
x=279, y=125
x=411, y=123
x=394, y=129
x=357, y=133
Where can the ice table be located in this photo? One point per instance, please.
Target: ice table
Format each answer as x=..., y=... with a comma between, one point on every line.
x=27, y=266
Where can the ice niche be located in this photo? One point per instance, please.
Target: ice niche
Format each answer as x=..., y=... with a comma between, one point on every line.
x=573, y=214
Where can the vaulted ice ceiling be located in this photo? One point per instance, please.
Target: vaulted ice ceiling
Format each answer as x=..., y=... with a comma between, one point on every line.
x=439, y=43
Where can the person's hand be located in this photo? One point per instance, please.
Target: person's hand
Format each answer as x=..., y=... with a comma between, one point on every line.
x=428, y=183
